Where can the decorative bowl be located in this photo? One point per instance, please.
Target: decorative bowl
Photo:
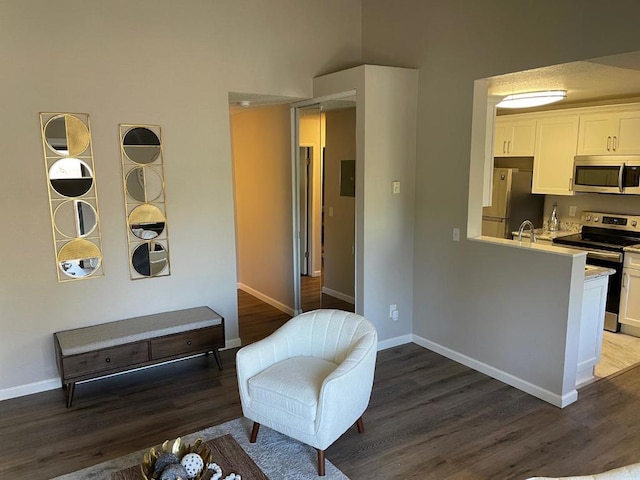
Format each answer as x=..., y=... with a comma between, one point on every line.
x=178, y=448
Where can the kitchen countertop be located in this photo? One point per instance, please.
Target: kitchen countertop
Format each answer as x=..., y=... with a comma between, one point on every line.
x=544, y=234
x=592, y=272
x=632, y=249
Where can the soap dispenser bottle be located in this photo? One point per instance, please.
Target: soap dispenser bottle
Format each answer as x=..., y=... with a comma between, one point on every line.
x=553, y=219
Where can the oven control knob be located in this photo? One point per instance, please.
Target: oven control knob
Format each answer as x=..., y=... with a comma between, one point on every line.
x=596, y=219
x=588, y=218
x=634, y=224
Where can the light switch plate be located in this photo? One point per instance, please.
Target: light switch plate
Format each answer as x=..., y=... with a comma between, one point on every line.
x=456, y=234
x=396, y=186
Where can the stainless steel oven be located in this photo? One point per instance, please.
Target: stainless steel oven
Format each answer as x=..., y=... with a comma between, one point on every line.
x=604, y=237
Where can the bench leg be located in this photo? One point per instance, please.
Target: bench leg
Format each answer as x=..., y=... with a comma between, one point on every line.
x=216, y=355
x=71, y=388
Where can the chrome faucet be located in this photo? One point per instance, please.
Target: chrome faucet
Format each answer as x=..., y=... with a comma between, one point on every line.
x=523, y=225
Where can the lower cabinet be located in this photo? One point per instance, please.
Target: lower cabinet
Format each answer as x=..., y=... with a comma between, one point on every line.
x=630, y=293
x=594, y=303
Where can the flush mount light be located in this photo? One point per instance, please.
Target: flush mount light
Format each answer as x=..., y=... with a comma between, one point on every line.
x=244, y=103
x=532, y=99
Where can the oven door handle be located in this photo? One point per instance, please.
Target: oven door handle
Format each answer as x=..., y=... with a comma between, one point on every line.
x=598, y=255
x=615, y=257
x=620, y=173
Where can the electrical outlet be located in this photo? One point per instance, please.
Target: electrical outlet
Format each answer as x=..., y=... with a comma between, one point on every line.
x=396, y=186
x=456, y=234
x=394, y=317
x=572, y=211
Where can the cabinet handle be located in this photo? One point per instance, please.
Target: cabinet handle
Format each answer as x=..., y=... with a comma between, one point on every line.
x=570, y=184
x=509, y=146
x=504, y=147
x=624, y=277
x=608, y=144
x=188, y=342
x=107, y=360
x=615, y=143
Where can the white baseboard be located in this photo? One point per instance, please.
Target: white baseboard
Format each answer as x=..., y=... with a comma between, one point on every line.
x=271, y=301
x=316, y=273
x=340, y=295
x=394, y=342
x=543, y=394
x=28, y=389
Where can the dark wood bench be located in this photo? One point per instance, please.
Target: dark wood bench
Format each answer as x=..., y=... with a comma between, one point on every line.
x=92, y=352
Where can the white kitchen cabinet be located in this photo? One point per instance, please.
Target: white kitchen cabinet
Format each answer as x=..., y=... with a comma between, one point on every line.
x=514, y=138
x=610, y=133
x=630, y=292
x=594, y=302
x=555, y=149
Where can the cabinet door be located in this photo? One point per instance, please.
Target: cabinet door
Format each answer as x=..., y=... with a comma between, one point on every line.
x=555, y=149
x=523, y=136
x=514, y=138
x=596, y=134
x=630, y=298
x=627, y=140
x=501, y=133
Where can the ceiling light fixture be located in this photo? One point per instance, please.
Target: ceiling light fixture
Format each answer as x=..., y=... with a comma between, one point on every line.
x=532, y=99
x=244, y=103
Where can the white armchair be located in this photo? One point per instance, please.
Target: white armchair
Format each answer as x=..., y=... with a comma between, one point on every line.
x=311, y=379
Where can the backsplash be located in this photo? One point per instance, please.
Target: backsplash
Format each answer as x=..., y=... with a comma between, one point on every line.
x=590, y=202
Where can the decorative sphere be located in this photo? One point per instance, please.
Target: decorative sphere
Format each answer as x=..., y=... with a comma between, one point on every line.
x=164, y=461
x=193, y=463
x=174, y=472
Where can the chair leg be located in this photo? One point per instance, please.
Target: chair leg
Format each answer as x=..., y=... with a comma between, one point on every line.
x=321, y=463
x=360, y=425
x=254, y=432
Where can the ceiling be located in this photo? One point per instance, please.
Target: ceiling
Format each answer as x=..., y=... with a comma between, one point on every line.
x=596, y=81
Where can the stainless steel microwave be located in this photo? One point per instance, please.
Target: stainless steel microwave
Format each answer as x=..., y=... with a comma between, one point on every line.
x=607, y=174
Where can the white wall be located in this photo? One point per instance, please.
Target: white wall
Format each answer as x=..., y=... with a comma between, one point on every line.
x=385, y=151
x=152, y=62
x=261, y=143
x=452, y=44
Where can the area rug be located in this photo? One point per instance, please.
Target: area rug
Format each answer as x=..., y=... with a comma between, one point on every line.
x=277, y=455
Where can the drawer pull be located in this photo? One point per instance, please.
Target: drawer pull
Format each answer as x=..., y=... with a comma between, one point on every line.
x=188, y=342
x=107, y=359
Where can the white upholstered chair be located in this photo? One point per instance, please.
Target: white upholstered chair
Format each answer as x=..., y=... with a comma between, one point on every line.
x=311, y=379
x=628, y=472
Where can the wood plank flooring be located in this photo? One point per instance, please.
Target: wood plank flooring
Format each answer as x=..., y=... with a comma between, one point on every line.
x=429, y=418
x=619, y=351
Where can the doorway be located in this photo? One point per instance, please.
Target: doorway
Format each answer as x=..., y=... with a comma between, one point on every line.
x=324, y=217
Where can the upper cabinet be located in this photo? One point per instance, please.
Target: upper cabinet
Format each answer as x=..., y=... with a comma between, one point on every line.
x=610, y=132
x=514, y=138
x=555, y=149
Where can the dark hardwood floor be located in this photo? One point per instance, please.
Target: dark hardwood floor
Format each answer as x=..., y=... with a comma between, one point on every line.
x=429, y=418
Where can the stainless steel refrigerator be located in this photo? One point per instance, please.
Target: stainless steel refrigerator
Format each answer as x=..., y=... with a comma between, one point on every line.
x=511, y=203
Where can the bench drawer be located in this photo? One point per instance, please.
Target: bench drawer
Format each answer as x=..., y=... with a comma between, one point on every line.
x=182, y=343
x=105, y=360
